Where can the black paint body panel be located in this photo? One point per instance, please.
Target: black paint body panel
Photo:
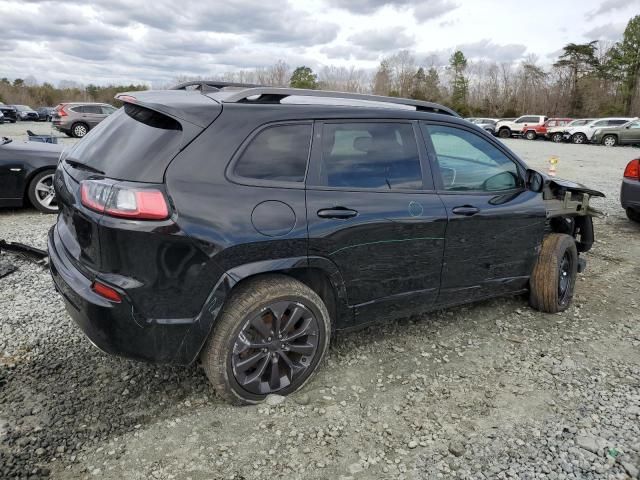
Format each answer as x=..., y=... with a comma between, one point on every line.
x=403, y=253
x=19, y=162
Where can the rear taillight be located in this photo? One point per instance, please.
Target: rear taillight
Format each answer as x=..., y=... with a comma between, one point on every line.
x=123, y=201
x=61, y=112
x=633, y=169
x=106, y=291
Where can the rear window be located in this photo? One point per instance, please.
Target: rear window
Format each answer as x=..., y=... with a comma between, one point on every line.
x=134, y=143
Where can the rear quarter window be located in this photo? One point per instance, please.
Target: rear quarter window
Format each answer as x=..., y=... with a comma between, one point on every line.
x=278, y=153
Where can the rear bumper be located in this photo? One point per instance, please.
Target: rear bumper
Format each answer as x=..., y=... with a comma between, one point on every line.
x=116, y=328
x=630, y=194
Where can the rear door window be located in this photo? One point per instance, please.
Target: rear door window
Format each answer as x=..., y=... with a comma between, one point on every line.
x=92, y=109
x=370, y=155
x=278, y=153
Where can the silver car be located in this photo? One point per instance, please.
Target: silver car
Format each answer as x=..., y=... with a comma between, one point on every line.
x=76, y=119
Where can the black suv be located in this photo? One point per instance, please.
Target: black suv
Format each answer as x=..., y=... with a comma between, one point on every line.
x=242, y=227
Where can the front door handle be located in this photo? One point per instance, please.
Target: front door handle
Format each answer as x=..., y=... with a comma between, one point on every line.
x=466, y=210
x=337, y=212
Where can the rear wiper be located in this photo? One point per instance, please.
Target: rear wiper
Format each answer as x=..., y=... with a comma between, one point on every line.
x=82, y=166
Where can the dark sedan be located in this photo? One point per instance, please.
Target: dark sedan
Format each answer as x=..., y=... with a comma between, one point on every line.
x=26, y=172
x=9, y=112
x=630, y=191
x=45, y=114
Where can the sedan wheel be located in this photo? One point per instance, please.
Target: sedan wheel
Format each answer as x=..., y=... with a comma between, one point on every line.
x=41, y=192
x=609, y=141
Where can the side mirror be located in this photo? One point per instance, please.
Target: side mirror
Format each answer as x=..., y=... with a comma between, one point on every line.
x=535, y=181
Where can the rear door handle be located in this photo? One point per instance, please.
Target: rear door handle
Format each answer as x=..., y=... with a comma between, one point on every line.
x=466, y=210
x=337, y=212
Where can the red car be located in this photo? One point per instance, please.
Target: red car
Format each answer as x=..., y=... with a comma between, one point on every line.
x=531, y=132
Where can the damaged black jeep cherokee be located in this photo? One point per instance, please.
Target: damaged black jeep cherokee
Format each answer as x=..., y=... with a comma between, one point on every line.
x=243, y=226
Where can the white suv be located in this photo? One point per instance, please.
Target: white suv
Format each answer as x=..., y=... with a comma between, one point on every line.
x=508, y=128
x=583, y=133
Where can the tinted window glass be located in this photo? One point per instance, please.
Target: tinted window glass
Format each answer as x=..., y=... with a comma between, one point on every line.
x=277, y=153
x=601, y=123
x=469, y=162
x=530, y=120
x=92, y=109
x=370, y=155
x=617, y=122
x=78, y=109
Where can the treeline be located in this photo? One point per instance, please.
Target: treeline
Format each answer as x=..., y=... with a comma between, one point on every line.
x=21, y=92
x=586, y=80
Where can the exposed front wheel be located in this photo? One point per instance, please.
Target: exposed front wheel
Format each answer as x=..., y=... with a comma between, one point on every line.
x=41, y=193
x=504, y=133
x=554, y=275
x=610, y=141
x=270, y=338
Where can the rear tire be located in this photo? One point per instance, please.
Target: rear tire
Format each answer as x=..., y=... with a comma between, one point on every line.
x=79, y=130
x=556, y=137
x=633, y=215
x=579, y=138
x=530, y=135
x=246, y=319
x=554, y=275
x=504, y=133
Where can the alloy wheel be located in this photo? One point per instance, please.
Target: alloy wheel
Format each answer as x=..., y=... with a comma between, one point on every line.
x=79, y=131
x=274, y=347
x=565, y=279
x=45, y=194
x=609, y=141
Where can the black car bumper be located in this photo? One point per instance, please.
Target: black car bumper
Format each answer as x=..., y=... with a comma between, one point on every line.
x=630, y=194
x=116, y=328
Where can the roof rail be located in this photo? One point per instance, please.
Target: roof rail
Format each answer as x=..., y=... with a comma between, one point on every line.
x=211, y=85
x=275, y=95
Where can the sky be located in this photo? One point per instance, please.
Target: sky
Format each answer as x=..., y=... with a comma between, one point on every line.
x=156, y=41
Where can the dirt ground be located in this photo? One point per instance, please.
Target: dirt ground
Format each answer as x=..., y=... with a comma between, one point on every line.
x=492, y=390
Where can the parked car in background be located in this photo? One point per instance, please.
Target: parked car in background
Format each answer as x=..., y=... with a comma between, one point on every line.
x=488, y=124
x=531, y=132
x=625, y=134
x=9, y=112
x=555, y=134
x=26, y=173
x=76, y=119
x=45, y=114
x=1, y=117
x=630, y=190
x=508, y=128
x=243, y=227
x=583, y=133
x=26, y=113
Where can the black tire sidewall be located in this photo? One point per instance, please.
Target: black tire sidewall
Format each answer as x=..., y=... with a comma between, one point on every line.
x=323, y=338
x=31, y=192
x=73, y=129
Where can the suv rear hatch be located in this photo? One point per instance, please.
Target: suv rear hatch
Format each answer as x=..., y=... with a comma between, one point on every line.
x=129, y=151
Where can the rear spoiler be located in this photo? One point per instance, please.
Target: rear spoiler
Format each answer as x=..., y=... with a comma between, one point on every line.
x=187, y=106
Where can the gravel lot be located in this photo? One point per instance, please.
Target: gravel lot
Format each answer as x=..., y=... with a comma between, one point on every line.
x=493, y=390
